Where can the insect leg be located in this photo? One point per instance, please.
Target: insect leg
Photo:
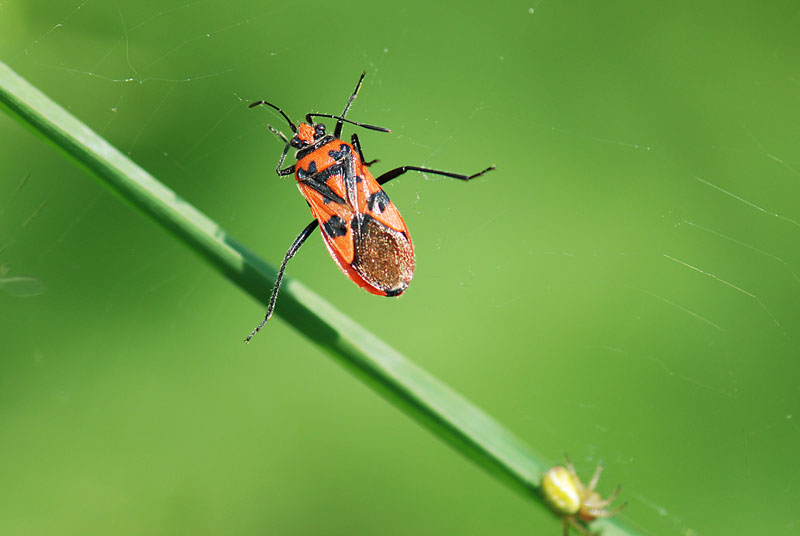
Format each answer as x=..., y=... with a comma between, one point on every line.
x=289, y=170
x=357, y=144
x=393, y=174
x=289, y=254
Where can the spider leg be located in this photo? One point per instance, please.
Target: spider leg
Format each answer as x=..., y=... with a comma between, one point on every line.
x=574, y=522
x=596, y=477
x=607, y=513
x=570, y=467
x=607, y=501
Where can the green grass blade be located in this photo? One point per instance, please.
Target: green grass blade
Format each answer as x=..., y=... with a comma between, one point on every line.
x=417, y=393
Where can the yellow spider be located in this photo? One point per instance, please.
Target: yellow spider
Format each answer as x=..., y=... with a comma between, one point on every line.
x=575, y=502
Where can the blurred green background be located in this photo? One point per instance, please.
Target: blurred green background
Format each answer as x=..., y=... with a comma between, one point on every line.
x=623, y=288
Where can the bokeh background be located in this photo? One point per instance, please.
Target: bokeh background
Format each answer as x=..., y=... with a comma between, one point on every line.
x=623, y=288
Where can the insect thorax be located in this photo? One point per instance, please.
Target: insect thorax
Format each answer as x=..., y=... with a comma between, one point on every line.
x=305, y=151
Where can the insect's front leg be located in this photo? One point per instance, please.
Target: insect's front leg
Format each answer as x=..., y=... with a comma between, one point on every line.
x=289, y=170
x=357, y=144
x=285, y=171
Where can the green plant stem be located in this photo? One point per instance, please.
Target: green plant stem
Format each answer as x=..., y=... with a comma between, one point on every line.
x=418, y=394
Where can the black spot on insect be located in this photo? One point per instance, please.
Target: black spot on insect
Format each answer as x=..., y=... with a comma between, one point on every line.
x=319, y=181
x=308, y=149
x=328, y=195
x=378, y=202
x=307, y=173
x=343, y=151
x=327, y=173
x=335, y=226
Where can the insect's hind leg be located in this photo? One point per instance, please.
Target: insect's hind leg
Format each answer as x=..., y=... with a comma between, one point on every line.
x=394, y=173
x=289, y=254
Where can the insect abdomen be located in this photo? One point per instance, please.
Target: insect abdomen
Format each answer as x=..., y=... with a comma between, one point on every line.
x=384, y=258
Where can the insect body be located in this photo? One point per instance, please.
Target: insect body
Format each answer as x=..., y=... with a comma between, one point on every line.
x=573, y=500
x=361, y=227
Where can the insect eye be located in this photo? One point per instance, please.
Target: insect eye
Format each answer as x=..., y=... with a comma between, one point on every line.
x=319, y=130
x=296, y=143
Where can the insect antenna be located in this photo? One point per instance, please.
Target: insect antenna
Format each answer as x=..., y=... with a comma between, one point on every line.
x=342, y=119
x=338, y=131
x=261, y=102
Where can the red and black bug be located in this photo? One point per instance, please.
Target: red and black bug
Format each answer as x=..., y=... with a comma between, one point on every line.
x=362, y=229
